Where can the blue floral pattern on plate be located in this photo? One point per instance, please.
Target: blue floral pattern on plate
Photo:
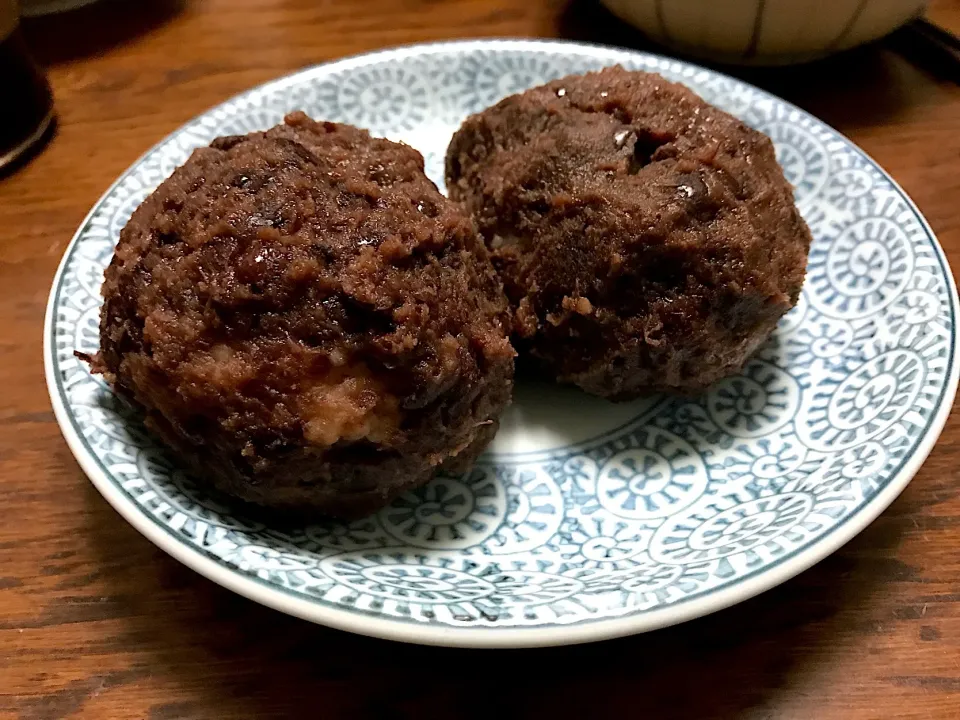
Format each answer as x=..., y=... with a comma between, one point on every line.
x=614, y=520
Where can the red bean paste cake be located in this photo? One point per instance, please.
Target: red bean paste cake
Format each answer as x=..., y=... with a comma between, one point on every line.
x=647, y=241
x=307, y=321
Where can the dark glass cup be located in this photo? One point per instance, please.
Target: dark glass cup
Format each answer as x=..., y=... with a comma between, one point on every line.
x=26, y=103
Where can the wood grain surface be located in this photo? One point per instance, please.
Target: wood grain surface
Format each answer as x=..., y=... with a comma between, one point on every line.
x=95, y=622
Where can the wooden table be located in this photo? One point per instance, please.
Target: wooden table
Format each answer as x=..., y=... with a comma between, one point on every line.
x=95, y=622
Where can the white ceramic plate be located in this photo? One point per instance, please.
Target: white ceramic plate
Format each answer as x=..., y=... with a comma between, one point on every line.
x=584, y=520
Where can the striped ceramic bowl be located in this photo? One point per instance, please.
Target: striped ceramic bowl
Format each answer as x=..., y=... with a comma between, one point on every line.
x=765, y=31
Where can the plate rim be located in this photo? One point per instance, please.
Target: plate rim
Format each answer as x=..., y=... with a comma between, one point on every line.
x=350, y=620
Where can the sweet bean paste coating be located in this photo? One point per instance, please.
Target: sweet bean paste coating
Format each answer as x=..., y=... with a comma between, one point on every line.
x=647, y=241
x=307, y=320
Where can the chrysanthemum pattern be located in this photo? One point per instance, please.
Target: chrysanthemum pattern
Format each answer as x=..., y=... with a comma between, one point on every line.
x=449, y=512
x=802, y=157
x=755, y=403
x=698, y=496
x=658, y=477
